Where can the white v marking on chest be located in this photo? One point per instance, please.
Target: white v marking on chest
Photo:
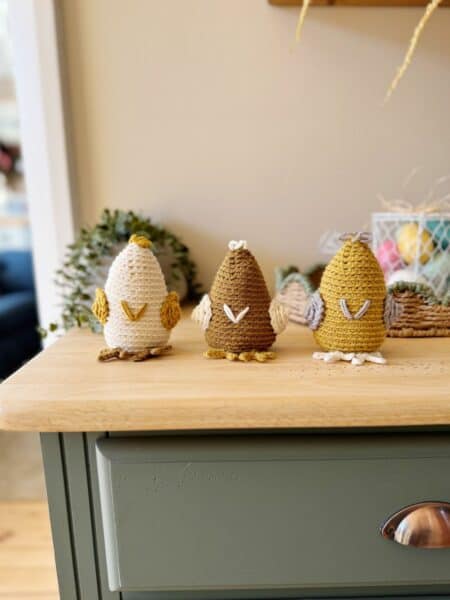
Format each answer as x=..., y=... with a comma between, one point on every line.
x=235, y=318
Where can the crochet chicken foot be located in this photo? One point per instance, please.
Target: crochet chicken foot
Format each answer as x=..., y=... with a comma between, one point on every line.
x=355, y=358
x=108, y=354
x=214, y=353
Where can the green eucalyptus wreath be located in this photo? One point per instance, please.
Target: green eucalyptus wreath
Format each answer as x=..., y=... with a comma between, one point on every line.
x=84, y=264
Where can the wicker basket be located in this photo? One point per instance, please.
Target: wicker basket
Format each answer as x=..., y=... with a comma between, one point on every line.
x=423, y=314
x=295, y=288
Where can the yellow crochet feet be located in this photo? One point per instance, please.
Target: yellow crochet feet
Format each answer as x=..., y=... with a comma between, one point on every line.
x=214, y=353
x=108, y=354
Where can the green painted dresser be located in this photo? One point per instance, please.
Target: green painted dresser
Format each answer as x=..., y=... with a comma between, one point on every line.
x=187, y=479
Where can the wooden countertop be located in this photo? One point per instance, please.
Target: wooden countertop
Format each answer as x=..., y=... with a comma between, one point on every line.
x=65, y=389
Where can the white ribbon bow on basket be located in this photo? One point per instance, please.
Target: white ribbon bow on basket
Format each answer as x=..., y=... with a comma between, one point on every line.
x=429, y=206
x=405, y=207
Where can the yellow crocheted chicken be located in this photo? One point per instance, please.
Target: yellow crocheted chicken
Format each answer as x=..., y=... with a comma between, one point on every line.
x=238, y=317
x=351, y=311
x=135, y=309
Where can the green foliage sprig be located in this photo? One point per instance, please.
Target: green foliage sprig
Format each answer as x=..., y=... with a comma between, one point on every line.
x=85, y=258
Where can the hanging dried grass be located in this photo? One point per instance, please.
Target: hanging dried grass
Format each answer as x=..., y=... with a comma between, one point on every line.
x=301, y=19
x=432, y=6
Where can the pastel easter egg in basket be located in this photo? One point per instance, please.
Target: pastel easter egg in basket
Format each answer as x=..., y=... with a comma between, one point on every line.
x=389, y=257
x=440, y=230
x=415, y=244
x=437, y=272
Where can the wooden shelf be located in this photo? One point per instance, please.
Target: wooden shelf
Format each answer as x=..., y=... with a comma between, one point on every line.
x=372, y=3
x=65, y=389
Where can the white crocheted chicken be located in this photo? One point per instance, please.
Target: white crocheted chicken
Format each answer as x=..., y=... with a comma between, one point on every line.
x=135, y=309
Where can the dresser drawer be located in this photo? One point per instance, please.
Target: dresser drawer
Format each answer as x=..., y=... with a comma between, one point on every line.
x=269, y=516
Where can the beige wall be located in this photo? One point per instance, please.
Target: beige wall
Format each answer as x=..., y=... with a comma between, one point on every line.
x=202, y=114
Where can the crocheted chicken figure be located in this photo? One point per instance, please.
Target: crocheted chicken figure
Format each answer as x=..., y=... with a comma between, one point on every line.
x=135, y=309
x=239, y=319
x=351, y=311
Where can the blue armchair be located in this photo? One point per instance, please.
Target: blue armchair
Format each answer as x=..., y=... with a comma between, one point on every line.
x=19, y=340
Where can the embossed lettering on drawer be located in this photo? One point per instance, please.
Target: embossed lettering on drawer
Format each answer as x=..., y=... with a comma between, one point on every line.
x=290, y=514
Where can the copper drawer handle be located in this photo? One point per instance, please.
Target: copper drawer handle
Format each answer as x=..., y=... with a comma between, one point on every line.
x=423, y=525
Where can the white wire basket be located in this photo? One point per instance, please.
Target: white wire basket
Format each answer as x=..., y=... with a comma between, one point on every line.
x=414, y=248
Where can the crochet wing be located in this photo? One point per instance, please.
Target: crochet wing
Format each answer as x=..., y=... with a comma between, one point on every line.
x=170, y=311
x=202, y=313
x=392, y=310
x=278, y=316
x=315, y=311
x=100, y=306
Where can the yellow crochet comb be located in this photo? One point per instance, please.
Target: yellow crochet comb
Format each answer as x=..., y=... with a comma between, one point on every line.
x=140, y=240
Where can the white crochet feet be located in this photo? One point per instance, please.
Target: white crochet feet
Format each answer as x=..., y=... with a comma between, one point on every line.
x=355, y=358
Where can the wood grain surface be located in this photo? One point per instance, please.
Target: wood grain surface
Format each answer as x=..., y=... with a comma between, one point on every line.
x=27, y=565
x=66, y=389
x=372, y=3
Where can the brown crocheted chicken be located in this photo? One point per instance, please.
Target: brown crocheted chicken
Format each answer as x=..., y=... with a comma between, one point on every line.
x=239, y=319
